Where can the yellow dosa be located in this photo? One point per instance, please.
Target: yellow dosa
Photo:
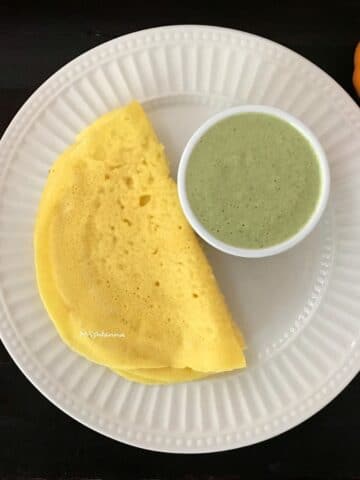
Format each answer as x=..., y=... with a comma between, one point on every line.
x=119, y=269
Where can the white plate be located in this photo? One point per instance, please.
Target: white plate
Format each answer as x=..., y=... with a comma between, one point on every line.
x=299, y=311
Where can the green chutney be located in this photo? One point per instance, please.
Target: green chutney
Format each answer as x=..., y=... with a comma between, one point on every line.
x=253, y=180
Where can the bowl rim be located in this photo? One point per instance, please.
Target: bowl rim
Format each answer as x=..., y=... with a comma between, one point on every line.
x=307, y=227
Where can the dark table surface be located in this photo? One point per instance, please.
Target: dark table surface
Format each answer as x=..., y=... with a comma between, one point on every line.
x=36, y=439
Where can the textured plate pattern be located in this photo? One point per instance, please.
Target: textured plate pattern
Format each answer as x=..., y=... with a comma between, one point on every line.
x=299, y=310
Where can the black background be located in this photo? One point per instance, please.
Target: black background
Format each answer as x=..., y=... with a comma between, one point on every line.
x=36, y=439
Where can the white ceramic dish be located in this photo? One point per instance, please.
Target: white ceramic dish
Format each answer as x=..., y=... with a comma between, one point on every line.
x=299, y=311
x=290, y=242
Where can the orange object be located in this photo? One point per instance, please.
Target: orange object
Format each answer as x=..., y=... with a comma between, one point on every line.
x=356, y=74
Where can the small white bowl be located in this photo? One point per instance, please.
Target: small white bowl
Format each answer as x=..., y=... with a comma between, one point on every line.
x=280, y=247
